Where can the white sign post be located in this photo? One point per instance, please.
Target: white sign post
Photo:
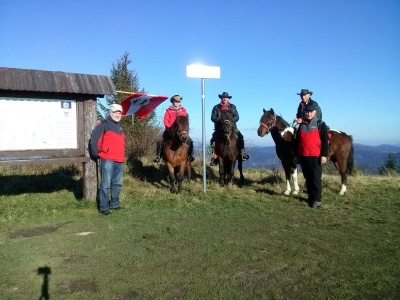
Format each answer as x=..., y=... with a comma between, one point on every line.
x=200, y=71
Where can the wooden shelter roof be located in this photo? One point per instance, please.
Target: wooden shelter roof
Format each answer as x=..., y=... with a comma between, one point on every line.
x=13, y=79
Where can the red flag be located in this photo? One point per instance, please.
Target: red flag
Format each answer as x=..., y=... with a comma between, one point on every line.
x=140, y=104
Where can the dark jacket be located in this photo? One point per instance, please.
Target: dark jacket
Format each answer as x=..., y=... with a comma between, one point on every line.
x=216, y=114
x=312, y=139
x=301, y=113
x=108, y=141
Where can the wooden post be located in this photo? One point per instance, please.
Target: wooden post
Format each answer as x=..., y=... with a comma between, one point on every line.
x=90, y=177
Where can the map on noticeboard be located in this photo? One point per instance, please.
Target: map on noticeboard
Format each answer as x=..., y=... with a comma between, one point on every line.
x=38, y=124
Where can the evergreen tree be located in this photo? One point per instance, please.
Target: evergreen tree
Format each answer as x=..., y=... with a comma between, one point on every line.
x=141, y=134
x=390, y=166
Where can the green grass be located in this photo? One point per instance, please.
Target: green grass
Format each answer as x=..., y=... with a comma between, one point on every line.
x=249, y=242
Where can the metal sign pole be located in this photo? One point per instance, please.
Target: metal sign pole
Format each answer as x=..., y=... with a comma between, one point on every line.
x=200, y=71
x=204, y=134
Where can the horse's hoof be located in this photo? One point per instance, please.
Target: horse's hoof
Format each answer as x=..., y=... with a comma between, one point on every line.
x=295, y=192
x=287, y=193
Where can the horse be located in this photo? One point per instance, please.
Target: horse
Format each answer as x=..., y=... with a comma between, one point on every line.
x=341, y=150
x=226, y=148
x=175, y=152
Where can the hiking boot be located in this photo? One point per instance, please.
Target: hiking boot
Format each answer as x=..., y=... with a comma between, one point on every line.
x=244, y=156
x=190, y=158
x=213, y=162
x=316, y=205
x=157, y=159
x=116, y=208
x=105, y=212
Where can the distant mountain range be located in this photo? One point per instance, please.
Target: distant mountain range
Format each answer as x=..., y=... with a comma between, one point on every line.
x=368, y=158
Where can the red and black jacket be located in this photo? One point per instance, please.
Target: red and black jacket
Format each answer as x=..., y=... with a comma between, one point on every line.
x=108, y=140
x=312, y=139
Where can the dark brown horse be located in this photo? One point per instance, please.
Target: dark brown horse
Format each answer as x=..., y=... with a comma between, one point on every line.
x=341, y=151
x=175, y=152
x=227, y=149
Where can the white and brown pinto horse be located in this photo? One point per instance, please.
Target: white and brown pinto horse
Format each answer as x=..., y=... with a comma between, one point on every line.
x=341, y=151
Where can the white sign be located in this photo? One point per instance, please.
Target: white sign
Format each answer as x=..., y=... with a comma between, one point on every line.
x=38, y=124
x=200, y=71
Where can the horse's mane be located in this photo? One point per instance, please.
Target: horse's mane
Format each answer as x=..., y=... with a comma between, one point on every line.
x=182, y=121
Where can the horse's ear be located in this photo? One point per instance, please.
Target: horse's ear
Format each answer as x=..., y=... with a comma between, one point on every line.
x=272, y=111
x=264, y=111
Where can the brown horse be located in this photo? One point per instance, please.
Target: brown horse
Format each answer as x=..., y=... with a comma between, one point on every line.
x=341, y=151
x=175, y=153
x=226, y=148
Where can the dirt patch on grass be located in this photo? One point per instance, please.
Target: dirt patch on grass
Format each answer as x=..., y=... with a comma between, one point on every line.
x=29, y=232
x=78, y=285
x=74, y=259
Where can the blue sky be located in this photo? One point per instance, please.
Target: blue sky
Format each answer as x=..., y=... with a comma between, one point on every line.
x=346, y=52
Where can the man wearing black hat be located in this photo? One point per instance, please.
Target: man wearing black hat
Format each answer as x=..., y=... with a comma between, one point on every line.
x=305, y=96
x=216, y=117
x=311, y=149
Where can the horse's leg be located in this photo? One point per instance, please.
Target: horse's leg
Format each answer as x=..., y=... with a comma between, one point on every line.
x=221, y=171
x=172, y=179
x=343, y=174
x=341, y=167
x=180, y=175
x=240, y=168
x=286, y=168
x=189, y=171
x=295, y=183
x=231, y=171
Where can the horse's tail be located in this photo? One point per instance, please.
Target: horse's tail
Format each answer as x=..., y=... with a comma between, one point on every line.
x=350, y=158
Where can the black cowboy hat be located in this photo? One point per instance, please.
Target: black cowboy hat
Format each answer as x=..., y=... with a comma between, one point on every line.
x=311, y=106
x=224, y=95
x=175, y=98
x=305, y=92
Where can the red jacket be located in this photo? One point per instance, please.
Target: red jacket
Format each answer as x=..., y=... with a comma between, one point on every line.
x=171, y=113
x=108, y=141
x=311, y=140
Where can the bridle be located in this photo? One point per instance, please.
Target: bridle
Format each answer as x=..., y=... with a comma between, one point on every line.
x=271, y=126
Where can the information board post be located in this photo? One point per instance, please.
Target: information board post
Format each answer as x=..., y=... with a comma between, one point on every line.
x=200, y=71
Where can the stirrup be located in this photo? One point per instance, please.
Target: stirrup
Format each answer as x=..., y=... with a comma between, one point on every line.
x=213, y=162
x=244, y=156
x=157, y=159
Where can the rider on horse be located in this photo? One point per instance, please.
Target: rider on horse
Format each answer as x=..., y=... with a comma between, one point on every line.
x=305, y=96
x=176, y=109
x=216, y=118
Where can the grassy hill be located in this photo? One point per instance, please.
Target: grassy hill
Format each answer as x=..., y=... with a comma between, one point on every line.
x=236, y=242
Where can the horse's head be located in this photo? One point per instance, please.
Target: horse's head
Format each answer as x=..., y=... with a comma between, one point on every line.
x=182, y=128
x=267, y=122
x=227, y=121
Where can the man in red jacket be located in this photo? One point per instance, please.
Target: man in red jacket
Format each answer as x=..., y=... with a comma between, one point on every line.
x=311, y=151
x=108, y=145
x=176, y=109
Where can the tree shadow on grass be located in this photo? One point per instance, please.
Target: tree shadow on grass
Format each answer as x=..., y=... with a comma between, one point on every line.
x=63, y=178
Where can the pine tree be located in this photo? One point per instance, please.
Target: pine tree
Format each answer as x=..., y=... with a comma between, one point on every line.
x=390, y=166
x=141, y=134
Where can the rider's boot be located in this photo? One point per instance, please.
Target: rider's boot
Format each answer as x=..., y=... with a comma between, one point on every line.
x=244, y=155
x=213, y=156
x=190, y=150
x=157, y=159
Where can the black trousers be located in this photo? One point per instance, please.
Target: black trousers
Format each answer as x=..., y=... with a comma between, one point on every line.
x=312, y=172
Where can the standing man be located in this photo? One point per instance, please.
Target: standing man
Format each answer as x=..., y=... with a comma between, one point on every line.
x=216, y=118
x=305, y=96
x=108, y=145
x=311, y=151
